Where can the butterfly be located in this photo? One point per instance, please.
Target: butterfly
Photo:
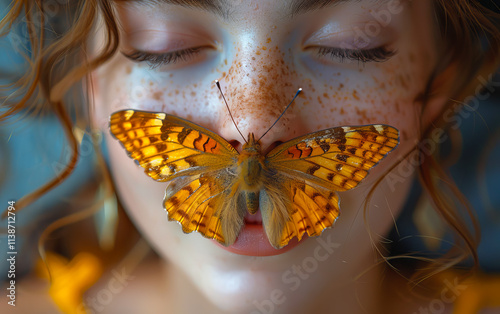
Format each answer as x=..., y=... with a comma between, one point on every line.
x=212, y=186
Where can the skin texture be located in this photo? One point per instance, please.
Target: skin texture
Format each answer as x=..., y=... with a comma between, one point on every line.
x=262, y=55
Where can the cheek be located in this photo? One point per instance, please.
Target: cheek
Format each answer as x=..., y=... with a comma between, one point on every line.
x=379, y=95
x=121, y=84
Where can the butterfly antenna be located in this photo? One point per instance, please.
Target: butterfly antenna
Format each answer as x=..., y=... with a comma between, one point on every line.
x=227, y=106
x=297, y=94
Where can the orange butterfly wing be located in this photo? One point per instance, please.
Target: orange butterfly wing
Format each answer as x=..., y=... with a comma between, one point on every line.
x=186, y=155
x=316, y=165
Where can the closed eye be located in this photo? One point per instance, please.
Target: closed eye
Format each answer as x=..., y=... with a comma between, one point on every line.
x=379, y=54
x=155, y=60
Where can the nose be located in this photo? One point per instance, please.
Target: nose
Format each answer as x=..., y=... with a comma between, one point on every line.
x=258, y=87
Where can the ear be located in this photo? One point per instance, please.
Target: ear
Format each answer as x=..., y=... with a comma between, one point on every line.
x=451, y=86
x=440, y=93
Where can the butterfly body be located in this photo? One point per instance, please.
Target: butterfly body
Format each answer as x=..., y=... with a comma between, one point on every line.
x=250, y=182
x=212, y=186
x=251, y=165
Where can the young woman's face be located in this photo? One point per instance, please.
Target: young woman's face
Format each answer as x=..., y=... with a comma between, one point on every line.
x=358, y=62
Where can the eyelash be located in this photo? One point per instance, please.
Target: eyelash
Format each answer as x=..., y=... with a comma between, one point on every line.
x=380, y=54
x=155, y=60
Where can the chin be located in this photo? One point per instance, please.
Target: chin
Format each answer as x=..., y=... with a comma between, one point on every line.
x=235, y=283
x=243, y=291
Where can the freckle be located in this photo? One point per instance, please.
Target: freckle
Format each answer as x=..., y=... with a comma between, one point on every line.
x=355, y=94
x=342, y=111
x=157, y=95
x=257, y=53
x=225, y=61
x=171, y=75
x=326, y=95
x=170, y=94
x=319, y=100
x=268, y=40
x=177, y=92
x=361, y=113
x=128, y=70
x=341, y=86
x=253, y=58
x=193, y=93
x=264, y=48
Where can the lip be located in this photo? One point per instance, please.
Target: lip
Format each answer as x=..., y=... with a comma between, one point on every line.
x=252, y=241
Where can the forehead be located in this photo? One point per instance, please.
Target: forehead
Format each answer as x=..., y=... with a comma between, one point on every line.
x=224, y=8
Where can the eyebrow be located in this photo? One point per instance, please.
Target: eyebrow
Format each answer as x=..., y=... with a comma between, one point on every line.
x=223, y=7
x=219, y=7
x=303, y=6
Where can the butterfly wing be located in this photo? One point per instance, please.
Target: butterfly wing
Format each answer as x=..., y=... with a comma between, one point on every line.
x=196, y=162
x=193, y=201
x=168, y=147
x=311, y=209
x=312, y=167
